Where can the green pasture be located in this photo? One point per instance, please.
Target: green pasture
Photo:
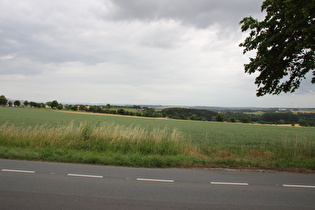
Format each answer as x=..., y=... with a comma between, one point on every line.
x=221, y=144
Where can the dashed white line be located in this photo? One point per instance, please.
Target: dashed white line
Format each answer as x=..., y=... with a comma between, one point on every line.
x=229, y=183
x=85, y=175
x=159, y=180
x=298, y=186
x=155, y=180
x=18, y=171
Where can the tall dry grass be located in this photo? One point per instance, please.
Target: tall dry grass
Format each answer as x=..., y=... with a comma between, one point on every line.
x=160, y=141
x=102, y=138
x=298, y=148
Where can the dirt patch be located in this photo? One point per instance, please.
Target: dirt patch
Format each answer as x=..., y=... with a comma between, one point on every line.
x=288, y=125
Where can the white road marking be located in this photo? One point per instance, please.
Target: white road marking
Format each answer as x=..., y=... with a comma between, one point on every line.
x=229, y=183
x=155, y=180
x=300, y=186
x=84, y=175
x=18, y=171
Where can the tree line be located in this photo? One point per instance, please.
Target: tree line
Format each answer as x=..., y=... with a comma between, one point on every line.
x=268, y=117
x=5, y=102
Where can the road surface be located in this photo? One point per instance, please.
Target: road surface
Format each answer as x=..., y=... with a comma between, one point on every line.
x=43, y=185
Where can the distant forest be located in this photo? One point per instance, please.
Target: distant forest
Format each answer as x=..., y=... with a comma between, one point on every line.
x=268, y=117
x=192, y=114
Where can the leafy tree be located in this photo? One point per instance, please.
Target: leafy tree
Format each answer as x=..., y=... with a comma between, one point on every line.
x=176, y=112
x=303, y=123
x=232, y=119
x=149, y=112
x=287, y=117
x=219, y=118
x=193, y=117
x=10, y=103
x=244, y=119
x=121, y=111
x=74, y=108
x=26, y=103
x=17, y=103
x=92, y=109
x=60, y=107
x=54, y=104
x=308, y=117
x=182, y=117
x=132, y=113
x=34, y=104
x=42, y=105
x=82, y=108
x=3, y=100
x=285, y=45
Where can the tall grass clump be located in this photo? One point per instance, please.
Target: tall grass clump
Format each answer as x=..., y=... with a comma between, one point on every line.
x=102, y=138
x=298, y=148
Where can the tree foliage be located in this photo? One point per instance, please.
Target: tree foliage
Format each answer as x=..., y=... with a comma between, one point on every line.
x=34, y=104
x=219, y=118
x=193, y=114
x=244, y=119
x=284, y=43
x=3, y=100
x=17, y=103
x=286, y=117
x=26, y=103
x=232, y=119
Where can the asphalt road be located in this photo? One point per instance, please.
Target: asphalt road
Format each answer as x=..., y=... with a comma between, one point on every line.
x=42, y=185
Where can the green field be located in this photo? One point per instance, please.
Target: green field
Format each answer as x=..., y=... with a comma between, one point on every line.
x=196, y=143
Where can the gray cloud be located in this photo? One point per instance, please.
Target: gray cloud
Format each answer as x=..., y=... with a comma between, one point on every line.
x=141, y=52
x=198, y=13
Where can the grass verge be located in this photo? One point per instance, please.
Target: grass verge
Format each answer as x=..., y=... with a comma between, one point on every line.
x=111, y=144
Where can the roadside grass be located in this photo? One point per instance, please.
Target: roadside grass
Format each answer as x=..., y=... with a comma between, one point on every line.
x=92, y=157
x=103, y=138
x=40, y=134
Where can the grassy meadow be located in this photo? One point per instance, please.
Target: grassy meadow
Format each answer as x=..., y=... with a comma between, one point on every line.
x=45, y=134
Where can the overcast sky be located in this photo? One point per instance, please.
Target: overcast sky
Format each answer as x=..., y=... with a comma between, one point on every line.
x=169, y=52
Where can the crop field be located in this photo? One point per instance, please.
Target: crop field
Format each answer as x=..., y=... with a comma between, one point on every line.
x=46, y=134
